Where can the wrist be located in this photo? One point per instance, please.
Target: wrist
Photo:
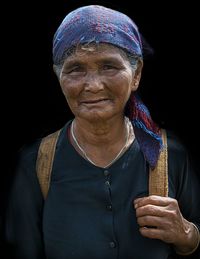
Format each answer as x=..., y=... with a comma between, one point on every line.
x=192, y=240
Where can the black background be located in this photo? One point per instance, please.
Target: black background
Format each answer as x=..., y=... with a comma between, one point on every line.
x=33, y=102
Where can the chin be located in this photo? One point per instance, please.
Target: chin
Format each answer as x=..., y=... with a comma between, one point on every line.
x=96, y=116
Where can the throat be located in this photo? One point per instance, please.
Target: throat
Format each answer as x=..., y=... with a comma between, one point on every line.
x=106, y=153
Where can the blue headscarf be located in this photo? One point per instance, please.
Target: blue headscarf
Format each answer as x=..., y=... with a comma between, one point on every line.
x=96, y=23
x=99, y=24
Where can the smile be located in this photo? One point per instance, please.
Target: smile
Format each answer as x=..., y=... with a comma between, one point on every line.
x=98, y=101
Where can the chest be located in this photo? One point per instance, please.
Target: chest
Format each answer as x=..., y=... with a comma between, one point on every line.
x=89, y=210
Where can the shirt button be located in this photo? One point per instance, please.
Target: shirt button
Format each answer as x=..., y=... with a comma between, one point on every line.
x=106, y=172
x=112, y=245
x=109, y=207
x=107, y=183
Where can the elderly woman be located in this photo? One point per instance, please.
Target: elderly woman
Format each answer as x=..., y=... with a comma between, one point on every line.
x=98, y=205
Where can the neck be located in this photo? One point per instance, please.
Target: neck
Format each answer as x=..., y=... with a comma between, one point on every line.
x=102, y=145
x=99, y=133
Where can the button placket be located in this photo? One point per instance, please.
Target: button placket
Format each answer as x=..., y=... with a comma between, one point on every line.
x=107, y=183
x=112, y=244
x=106, y=172
x=108, y=206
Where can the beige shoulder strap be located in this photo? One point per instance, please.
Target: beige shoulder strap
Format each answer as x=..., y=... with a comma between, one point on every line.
x=158, y=177
x=44, y=161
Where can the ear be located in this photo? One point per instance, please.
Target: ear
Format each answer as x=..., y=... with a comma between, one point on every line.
x=54, y=69
x=137, y=75
x=57, y=71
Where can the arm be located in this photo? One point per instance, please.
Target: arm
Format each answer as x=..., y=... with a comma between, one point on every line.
x=173, y=219
x=24, y=212
x=166, y=223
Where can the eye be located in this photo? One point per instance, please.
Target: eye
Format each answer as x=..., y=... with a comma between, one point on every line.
x=108, y=67
x=75, y=70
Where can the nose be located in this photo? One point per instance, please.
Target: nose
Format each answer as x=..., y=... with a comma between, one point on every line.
x=93, y=82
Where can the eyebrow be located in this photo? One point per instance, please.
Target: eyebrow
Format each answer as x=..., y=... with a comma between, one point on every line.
x=107, y=60
x=72, y=63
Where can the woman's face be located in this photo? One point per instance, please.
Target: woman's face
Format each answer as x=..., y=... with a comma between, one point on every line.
x=97, y=83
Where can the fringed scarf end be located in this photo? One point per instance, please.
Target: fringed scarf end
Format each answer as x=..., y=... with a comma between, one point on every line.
x=141, y=125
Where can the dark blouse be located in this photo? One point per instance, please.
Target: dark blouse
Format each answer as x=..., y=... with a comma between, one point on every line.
x=89, y=211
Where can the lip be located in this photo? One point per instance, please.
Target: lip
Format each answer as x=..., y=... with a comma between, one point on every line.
x=94, y=101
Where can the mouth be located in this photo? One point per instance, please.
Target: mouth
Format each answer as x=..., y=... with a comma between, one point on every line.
x=95, y=101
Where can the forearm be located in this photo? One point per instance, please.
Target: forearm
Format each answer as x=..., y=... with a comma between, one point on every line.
x=190, y=241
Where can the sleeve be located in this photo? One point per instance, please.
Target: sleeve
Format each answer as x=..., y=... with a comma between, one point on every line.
x=23, y=224
x=184, y=184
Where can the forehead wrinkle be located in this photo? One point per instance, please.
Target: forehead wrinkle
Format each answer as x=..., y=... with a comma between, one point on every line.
x=107, y=54
x=96, y=24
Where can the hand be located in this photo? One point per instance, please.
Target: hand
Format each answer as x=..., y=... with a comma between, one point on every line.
x=160, y=218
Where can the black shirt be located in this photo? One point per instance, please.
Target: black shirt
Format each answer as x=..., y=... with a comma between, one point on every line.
x=89, y=210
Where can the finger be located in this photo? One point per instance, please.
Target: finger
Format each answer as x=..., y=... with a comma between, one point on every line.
x=154, y=200
x=150, y=221
x=153, y=233
x=150, y=210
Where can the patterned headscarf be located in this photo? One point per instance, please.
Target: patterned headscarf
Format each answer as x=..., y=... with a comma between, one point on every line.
x=99, y=24
x=96, y=23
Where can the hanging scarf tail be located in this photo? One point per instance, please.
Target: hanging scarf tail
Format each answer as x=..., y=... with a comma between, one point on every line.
x=147, y=133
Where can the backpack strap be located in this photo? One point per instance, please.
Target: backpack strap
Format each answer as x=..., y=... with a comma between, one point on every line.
x=44, y=161
x=158, y=177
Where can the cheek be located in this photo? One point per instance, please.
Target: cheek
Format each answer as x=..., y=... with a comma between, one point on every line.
x=70, y=90
x=125, y=77
x=123, y=84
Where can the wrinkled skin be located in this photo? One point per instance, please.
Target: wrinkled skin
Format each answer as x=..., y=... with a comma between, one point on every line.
x=97, y=85
x=160, y=218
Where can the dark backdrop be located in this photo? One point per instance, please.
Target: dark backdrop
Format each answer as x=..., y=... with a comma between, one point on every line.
x=34, y=105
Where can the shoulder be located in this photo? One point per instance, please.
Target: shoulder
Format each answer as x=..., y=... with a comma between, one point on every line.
x=176, y=147
x=30, y=149
x=28, y=153
x=180, y=161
